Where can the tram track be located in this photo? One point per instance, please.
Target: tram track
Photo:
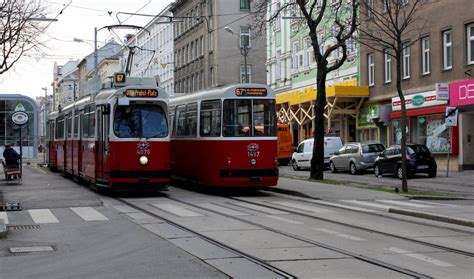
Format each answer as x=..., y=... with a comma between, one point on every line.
x=261, y=262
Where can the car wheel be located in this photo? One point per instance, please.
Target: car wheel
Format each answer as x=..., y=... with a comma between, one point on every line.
x=377, y=170
x=432, y=173
x=400, y=172
x=295, y=165
x=332, y=167
x=353, y=169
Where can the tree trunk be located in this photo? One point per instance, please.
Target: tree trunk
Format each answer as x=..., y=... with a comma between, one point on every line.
x=403, y=121
x=317, y=161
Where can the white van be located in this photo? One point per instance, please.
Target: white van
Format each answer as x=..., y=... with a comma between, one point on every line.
x=302, y=157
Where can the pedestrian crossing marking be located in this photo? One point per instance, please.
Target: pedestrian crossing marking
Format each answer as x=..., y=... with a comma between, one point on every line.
x=405, y=203
x=285, y=220
x=222, y=209
x=419, y=257
x=125, y=208
x=341, y=205
x=42, y=216
x=4, y=216
x=176, y=210
x=303, y=207
x=139, y=215
x=260, y=208
x=435, y=203
x=89, y=214
x=339, y=234
x=371, y=204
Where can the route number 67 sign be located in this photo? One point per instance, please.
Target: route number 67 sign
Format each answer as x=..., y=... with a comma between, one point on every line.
x=20, y=117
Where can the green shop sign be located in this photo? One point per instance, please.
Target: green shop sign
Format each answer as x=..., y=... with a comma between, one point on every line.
x=418, y=100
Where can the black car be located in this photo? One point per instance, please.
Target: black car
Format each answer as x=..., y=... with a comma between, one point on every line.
x=419, y=160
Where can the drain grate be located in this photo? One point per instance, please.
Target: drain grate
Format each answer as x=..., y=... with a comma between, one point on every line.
x=24, y=227
x=10, y=206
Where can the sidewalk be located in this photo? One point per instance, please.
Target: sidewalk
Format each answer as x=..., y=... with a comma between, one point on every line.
x=460, y=215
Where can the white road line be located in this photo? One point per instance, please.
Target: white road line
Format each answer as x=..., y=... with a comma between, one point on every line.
x=4, y=216
x=139, y=215
x=284, y=220
x=259, y=208
x=303, y=207
x=222, y=209
x=42, y=216
x=405, y=203
x=89, y=214
x=371, y=204
x=342, y=206
x=419, y=257
x=124, y=208
x=343, y=235
x=435, y=203
x=176, y=210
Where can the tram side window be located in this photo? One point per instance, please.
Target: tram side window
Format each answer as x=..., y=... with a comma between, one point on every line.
x=69, y=126
x=171, y=112
x=191, y=120
x=210, y=119
x=51, y=130
x=237, y=118
x=181, y=118
x=76, y=123
x=91, y=122
x=60, y=127
x=85, y=122
x=264, y=118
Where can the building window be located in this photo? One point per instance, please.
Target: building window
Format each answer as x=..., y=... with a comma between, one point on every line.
x=387, y=65
x=243, y=78
x=470, y=43
x=371, y=69
x=245, y=4
x=406, y=61
x=447, y=50
x=245, y=37
x=425, y=55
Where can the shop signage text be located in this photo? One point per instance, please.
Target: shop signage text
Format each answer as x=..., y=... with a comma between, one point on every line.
x=461, y=93
x=442, y=91
x=420, y=100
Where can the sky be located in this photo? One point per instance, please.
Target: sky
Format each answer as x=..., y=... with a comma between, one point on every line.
x=77, y=20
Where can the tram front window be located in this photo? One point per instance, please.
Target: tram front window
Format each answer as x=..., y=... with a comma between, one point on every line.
x=246, y=118
x=140, y=121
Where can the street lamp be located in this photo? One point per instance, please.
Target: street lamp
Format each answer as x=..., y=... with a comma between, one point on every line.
x=244, y=50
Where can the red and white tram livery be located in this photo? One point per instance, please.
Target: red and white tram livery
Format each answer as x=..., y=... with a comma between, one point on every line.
x=225, y=136
x=118, y=137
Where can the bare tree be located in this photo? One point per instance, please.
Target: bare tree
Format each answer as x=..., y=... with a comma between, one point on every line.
x=316, y=16
x=392, y=27
x=19, y=30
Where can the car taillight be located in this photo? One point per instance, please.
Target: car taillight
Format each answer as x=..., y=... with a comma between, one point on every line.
x=431, y=156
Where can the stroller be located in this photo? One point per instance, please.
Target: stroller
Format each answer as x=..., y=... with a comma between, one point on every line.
x=12, y=171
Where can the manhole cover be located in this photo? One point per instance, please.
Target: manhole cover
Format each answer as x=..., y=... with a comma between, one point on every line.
x=23, y=227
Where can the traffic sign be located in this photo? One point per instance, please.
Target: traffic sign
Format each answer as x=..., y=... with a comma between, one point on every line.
x=20, y=118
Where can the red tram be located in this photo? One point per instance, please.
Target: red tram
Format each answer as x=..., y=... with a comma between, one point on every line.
x=225, y=136
x=118, y=137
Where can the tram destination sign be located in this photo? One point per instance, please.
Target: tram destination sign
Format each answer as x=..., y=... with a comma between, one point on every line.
x=147, y=93
x=252, y=92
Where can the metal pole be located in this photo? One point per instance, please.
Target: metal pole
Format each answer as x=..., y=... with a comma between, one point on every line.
x=95, y=51
x=21, y=153
x=45, y=119
x=449, y=151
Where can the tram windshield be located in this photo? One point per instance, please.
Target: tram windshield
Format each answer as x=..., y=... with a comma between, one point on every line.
x=140, y=121
x=247, y=118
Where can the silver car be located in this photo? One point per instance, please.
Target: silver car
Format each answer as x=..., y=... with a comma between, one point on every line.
x=355, y=156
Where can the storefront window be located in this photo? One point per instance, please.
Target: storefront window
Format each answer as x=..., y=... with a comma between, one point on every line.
x=397, y=131
x=433, y=132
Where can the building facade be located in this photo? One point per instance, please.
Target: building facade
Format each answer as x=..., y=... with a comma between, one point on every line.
x=443, y=53
x=214, y=45
x=291, y=72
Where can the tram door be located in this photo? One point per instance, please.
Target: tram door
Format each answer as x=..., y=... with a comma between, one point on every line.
x=103, y=141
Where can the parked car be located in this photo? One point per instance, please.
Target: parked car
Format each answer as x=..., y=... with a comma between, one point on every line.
x=356, y=156
x=302, y=157
x=419, y=160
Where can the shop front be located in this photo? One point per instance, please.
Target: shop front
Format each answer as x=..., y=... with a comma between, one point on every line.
x=373, y=123
x=426, y=125
x=461, y=96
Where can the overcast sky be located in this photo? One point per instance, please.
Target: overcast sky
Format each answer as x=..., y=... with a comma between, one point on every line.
x=77, y=20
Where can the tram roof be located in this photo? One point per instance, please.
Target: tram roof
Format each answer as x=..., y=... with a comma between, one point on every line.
x=228, y=91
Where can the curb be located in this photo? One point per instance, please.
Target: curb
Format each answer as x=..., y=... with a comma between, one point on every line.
x=289, y=192
x=440, y=218
x=3, y=229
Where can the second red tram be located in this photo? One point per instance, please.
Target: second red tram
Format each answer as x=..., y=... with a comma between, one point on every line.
x=118, y=137
x=225, y=136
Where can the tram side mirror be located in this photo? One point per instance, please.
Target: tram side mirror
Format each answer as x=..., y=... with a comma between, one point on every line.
x=106, y=109
x=123, y=101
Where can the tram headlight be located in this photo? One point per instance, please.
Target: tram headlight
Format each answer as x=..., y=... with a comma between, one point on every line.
x=143, y=160
x=253, y=162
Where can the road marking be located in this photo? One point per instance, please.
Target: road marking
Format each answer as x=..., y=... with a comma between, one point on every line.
x=419, y=257
x=222, y=209
x=42, y=216
x=435, y=203
x=303, y=207
x=124, y=208
x=368, y=204
x=176, y=210
x=405, y=203
x=342, y=206
x=284, y=220
x=31, y=249
x=89, y=214
x=4, y=216
x=139, y=215
x=260, y=208
x=39, y=169
x=343, y=235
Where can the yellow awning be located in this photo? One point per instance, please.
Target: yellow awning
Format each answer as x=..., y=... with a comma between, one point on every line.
x=308, y=94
